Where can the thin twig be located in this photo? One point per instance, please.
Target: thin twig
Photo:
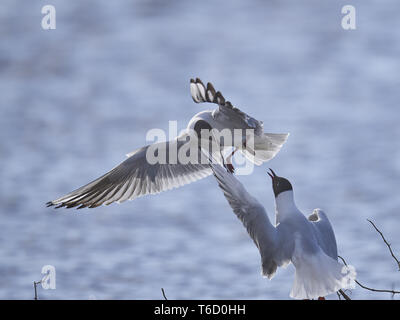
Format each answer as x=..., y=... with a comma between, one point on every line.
x=345, y=296
x=387, y=243
x=393, y=292
x=35, y=283
x=163, y=293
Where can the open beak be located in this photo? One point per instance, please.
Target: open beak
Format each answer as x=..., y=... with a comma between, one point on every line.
x=273, y=175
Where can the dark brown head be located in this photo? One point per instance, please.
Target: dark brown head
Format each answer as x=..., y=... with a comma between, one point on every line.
x=279, y=184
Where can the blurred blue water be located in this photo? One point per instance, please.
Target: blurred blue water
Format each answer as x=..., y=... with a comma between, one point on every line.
x=76, y=99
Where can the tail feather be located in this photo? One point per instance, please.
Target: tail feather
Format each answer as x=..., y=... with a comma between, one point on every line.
x=266, y=147
x=319, y=275
x=276, y=138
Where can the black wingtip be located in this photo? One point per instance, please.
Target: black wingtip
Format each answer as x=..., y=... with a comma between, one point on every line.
x=211, y=87
x=219, y=98
x=201, y=82
x=49, y=204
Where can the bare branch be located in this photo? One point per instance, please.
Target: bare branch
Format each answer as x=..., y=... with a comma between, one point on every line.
x=35, y=283
x=387, y=243
x=393, y=292
x=345, y=296
x=163, y=293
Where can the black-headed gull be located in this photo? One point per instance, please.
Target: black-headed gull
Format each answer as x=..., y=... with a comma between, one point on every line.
x=309, y=243
x=136, y=176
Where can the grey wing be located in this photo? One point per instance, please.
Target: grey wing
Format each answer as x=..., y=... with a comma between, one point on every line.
x=133, y=178
x=324, y=232
x=253, y=216
x=237, y=118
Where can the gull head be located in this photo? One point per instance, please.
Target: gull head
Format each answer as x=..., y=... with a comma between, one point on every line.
x=279, y=184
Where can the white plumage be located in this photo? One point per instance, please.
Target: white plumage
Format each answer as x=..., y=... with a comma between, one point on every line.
x=136, y=177
x=308, y=243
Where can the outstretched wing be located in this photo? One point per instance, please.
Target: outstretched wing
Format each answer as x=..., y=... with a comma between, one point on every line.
x=253, y=216
x=324, y=232
x=238, y=119
x=136, y=177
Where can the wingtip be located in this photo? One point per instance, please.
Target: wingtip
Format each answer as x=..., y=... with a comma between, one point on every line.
x=286, y=137
x=219, y=98
x=49, y=204
x=196, y=80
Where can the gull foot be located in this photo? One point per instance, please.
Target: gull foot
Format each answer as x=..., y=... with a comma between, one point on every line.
x=230, y=168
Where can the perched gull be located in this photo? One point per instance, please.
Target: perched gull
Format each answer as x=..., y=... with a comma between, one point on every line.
x=136, y=177
x=309, y=244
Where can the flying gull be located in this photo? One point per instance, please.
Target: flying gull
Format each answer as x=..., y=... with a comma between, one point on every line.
x=136, y=177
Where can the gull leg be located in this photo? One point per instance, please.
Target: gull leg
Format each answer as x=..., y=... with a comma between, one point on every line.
x=321, y=298
x=227, y=166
